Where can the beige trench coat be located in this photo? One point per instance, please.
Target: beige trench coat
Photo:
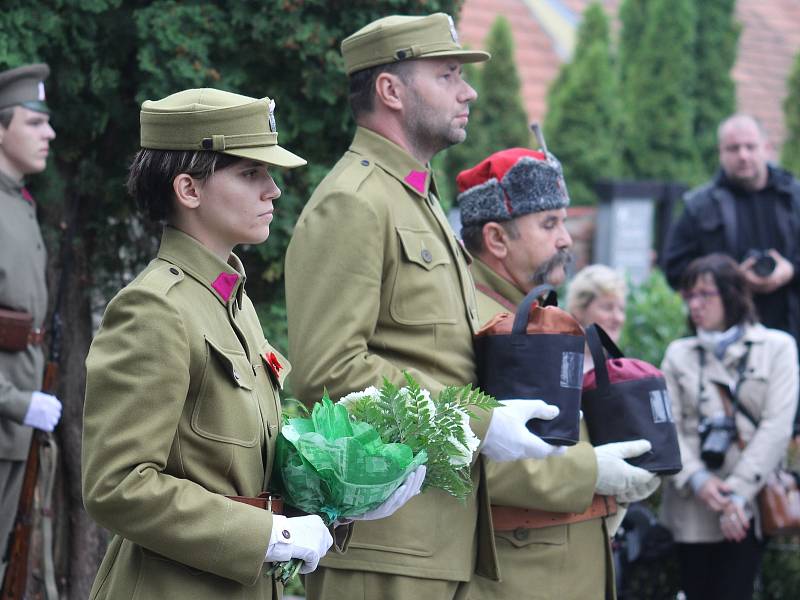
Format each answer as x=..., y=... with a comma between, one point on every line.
x=769, y=392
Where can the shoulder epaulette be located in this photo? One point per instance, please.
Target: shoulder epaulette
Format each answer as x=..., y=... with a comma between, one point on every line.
x=162, y=277
x=354, y=174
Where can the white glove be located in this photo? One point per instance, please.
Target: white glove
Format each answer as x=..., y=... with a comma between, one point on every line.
x=44, y=412
x=409, y=488
x=305, y=538
x=615, y=477
x=509, y=439
x=639, y=492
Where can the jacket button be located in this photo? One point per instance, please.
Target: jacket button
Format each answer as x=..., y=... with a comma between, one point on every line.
x=520, y=534
x=236, y=375
x=365, y=162
x=174, y=271
x=426, y=255
x=286, y=535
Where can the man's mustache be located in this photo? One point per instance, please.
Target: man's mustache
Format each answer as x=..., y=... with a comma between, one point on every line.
x=561, y=258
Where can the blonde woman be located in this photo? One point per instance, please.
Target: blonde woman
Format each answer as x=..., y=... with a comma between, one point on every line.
x=597, y=295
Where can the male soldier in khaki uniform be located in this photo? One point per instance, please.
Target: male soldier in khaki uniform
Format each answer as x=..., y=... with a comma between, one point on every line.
x=551, y=536
x=377, y=283
x=25, y=135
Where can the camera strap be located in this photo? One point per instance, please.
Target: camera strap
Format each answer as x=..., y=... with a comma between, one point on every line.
x=730, y=396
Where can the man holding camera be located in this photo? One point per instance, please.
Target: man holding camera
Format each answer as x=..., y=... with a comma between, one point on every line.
x=750, y=211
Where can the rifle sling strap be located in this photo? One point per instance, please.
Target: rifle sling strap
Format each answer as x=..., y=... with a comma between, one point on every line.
x=48, y=461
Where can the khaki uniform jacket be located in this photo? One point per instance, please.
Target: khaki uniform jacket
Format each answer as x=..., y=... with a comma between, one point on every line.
x=181, y=409
x=769, y=392
x=377, y=283
x=564, y=562
x=22, y=287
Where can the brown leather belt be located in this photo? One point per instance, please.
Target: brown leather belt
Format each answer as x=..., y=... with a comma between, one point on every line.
x=509, y=518
x=264, y=501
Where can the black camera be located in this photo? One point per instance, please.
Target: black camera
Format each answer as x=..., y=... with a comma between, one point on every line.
x=716, y=435
x=764, y=264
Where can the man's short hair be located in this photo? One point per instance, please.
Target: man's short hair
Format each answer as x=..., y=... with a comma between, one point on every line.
x=741, y=117
x=472, y=235
x=6, y=114
x=362, y=84
x=152, y=173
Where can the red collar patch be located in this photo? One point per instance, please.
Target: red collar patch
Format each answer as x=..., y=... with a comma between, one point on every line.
x=26, y=195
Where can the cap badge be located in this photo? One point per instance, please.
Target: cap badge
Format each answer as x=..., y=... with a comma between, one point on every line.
x=272, y=126
x=41, y=91
x=453, y=32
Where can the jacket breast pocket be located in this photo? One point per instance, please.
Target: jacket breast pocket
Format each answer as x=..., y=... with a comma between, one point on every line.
x=226, y=409
x=424, y=292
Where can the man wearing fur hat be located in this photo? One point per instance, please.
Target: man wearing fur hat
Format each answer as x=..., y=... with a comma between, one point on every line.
x=549, y=515
x=25, y=135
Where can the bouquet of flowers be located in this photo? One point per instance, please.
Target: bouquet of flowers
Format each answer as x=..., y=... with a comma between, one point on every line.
x=349, y=457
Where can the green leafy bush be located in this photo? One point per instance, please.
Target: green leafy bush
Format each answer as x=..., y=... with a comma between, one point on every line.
x=655, y=317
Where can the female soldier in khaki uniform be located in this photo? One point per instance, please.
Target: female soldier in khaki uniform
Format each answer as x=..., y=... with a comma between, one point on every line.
x=182, y=408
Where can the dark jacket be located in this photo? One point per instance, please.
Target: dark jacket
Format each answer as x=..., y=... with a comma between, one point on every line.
x=708, y=224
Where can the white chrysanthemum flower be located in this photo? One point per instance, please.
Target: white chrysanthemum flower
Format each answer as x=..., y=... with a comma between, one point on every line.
x=353, y=397
x=466, y=452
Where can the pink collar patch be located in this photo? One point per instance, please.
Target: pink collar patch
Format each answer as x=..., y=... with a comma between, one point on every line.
x=224, y=284
x=26, y=195
x=417, y=179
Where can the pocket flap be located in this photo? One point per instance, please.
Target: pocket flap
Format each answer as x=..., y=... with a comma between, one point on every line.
x=234, y=363
x=423, y=248
x=276, y=364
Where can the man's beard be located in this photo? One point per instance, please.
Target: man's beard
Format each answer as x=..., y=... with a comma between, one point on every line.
x=561, y=258
x=431, y=132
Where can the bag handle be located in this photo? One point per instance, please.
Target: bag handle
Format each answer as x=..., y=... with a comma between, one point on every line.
x=524, y=308
x=598, y=341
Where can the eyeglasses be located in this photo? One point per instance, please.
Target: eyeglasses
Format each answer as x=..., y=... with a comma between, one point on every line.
x=702, y=295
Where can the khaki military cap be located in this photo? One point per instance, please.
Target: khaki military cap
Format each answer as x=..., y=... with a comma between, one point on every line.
x=396, y=38
x=209, y=119
x=24, y=86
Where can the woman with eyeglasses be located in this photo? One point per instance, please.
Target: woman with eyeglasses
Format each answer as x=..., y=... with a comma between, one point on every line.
x=734, y=387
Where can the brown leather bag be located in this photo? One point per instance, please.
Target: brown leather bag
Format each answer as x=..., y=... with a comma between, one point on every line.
x=779, y=499
x=779, y=504
x=536, y=353
x=15, y=329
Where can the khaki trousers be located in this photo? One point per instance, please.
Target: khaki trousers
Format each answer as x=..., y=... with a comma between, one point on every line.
x=11, y=474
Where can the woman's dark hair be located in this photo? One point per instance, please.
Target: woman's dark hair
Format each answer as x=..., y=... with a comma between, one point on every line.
x=734, y=291
x=6, y=114
x=152, y=172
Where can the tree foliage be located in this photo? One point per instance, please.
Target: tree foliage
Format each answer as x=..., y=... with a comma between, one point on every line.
x=582, y=110
x=790, y=154
x=715, y=91
x=657, y=90
x=106, y=57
